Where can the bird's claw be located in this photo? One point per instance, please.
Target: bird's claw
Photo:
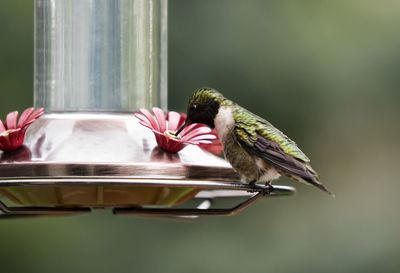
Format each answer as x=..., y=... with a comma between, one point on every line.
x=266, y=190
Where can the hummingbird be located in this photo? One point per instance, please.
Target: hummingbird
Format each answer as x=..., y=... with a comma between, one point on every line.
x=257, y=151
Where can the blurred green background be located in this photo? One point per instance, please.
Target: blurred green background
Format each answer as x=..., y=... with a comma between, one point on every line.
x=325, y=72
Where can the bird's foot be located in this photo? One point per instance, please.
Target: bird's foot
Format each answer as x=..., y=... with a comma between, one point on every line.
x=254, y=187
x=267, y=190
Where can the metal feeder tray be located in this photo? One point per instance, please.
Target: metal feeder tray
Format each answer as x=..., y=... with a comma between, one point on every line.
x=119, y=167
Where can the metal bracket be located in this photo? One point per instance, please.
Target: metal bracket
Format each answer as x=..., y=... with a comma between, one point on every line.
x=255, y=194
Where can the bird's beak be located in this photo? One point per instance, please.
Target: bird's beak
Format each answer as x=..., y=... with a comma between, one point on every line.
x=187, y=122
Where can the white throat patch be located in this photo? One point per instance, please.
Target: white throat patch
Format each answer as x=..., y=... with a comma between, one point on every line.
x=224, y=121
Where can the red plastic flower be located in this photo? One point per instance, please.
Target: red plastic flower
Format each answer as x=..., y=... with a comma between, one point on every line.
x=12, y=132
x=165, y=126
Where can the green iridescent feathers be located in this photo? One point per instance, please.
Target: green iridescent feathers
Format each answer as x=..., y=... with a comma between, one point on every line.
x=204, y=95
x=250, y=126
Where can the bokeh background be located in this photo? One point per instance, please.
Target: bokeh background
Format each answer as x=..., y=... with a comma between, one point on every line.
x=325, y=72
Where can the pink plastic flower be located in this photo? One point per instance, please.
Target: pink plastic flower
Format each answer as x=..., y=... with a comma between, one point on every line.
x=165, y=126
x=12, y=132
x=215, y=147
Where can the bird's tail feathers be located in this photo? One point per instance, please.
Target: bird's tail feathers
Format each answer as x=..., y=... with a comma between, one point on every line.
x=313, y=180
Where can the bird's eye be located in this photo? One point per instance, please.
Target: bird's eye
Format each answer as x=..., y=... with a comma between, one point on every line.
x=194, y=106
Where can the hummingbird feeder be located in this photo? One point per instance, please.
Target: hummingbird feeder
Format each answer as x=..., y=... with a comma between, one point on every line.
x=96, y=63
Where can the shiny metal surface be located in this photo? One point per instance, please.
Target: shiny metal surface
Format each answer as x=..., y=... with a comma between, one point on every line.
x=90, y=145
x=102, y=55
x=104, y=160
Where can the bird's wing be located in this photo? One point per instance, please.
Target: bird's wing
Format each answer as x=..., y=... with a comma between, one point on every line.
x=251, y=128
x=260, y=138
x=264, y=148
